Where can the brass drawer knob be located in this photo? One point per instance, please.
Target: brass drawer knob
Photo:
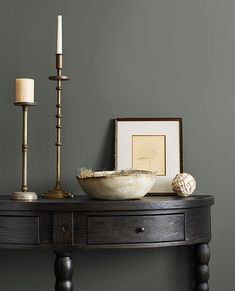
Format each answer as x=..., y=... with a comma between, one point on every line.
x=140, y=229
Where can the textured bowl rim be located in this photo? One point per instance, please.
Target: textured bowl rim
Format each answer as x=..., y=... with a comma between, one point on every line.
x=115, y=174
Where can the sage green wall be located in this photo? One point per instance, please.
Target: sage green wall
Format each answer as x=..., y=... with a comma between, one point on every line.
x=126, y=58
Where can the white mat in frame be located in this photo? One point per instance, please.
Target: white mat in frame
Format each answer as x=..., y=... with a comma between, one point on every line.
x=150, y=143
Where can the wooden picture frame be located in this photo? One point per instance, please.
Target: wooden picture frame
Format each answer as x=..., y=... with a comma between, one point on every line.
x=154, y=144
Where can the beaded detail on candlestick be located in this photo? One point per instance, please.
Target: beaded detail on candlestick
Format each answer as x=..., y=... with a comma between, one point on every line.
x=24, y=95
x=58, y=192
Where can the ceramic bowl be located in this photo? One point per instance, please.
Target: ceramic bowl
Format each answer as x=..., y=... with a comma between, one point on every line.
x=111, y=185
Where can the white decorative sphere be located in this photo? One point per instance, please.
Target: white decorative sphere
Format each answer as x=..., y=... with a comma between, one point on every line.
x=184, y=184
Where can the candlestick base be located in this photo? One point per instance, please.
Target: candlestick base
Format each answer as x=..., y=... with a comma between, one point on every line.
x=28, y=196
x=58, y=194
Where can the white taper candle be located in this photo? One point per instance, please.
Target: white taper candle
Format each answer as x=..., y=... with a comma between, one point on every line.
x=59, y=34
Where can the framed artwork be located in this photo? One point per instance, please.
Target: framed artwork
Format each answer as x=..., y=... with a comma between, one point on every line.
x=153, y=144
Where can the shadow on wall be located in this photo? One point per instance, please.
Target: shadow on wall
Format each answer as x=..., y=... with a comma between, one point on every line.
x=106, y=157
x=125, y=270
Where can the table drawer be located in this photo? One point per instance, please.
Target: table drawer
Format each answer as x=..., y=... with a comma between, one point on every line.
x=135, y=229
x=19, y=230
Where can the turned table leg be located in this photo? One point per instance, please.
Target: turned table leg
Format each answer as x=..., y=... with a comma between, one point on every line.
x=63, y=272
x=202, y=257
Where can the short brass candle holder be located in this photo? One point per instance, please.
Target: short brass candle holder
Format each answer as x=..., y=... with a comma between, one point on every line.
x=58, y=192
x=24, y=194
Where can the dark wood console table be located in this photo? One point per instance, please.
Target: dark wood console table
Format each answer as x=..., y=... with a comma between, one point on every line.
x=80, y=223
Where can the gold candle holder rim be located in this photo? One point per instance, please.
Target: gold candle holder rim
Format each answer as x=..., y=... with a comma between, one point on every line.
x=25, y=103
x=56, y=78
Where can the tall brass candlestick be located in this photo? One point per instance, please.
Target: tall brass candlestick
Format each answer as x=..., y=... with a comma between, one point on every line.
x=24, y=194
x=57, y=192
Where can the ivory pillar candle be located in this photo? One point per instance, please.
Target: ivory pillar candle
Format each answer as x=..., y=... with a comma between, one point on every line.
x=59, y=34
x=24, y=90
